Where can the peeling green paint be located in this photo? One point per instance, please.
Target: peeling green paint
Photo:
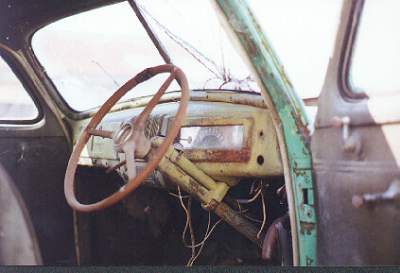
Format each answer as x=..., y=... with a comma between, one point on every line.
x=292, y=115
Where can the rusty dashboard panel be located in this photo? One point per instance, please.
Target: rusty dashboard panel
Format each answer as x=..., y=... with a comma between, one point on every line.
x=224, y=139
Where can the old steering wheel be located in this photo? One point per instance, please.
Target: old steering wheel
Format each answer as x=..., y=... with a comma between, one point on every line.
x=129, y=138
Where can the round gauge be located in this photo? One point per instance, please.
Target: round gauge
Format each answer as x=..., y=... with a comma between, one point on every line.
x=209, y=137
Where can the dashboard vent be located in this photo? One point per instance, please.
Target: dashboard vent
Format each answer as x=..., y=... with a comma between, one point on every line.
x=153, y=126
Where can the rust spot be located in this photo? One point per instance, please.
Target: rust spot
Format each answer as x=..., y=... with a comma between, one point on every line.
x=196, y=188
x=306, y=227
x=302, y=129
x=216, y=122
x=299, y=172
x=251, y=48
x=211, y=206
x=242, y=155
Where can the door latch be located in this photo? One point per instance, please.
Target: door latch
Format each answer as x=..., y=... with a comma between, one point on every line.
x=390, y=196
x=351, y=141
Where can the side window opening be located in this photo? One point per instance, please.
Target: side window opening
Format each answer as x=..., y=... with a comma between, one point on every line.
x=303, y=35
x=375, y=59
x=15, y=102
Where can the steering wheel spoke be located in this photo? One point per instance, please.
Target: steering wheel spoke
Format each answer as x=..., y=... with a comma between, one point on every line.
x=141, y=119
x=101, y=133
x=117, y=166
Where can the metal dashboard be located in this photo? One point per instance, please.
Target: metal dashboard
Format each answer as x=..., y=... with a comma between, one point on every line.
x=227, y=134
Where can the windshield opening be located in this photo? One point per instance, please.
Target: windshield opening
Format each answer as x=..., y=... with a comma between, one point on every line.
x=88, y=58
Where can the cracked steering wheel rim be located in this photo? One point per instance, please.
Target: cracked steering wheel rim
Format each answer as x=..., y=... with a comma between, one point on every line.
x=133, y=183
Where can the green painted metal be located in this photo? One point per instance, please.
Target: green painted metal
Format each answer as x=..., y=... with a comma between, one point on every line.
x=292, y=115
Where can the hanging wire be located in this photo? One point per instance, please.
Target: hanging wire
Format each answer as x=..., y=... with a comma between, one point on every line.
x=264, y=217
x=247, y=201
x=221, y=73
x=188, y=224
x=207, y=235
x=184, y=44
x=259, y=193
x=177, y=195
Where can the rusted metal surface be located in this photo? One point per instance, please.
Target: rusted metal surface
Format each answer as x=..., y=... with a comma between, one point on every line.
x=182, y=179
x=190, y=177
x=224, y=155
x=181, y=160
x=259, y=136
x=138, y=124
x=210, y=198
x=234, y=97
x=242, y=155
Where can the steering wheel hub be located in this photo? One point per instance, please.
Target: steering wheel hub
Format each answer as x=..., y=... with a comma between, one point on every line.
x=122, y=136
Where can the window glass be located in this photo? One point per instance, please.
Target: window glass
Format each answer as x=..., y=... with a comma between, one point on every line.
x=89, y=55
x=15, y=102
x=376, y=58
x=303, y=35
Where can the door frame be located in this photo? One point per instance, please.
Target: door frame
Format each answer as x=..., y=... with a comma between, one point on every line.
x=290, y=122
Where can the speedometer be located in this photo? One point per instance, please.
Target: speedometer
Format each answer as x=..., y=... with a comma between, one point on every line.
x=228, y=137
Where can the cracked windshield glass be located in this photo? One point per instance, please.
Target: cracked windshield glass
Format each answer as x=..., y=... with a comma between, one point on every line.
x=88, y=57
